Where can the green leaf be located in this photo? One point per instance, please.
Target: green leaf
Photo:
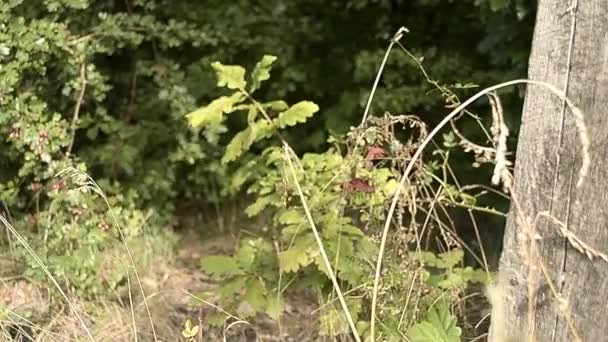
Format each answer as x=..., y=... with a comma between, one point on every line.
x=439, y=326
x=230, y=289
x=293, y=259
x=276, y=106
x=345, y=229
x=78, y=4
x=291, y=216
x=213, y=113
x=229, y=76
x=274, y=309
x=298, y=113
x=252, y=114
x=444, y=260
x=240, y=143
x=459, y=277
x=263, y=129
x=256, y=294
x=260, y=204
x=451, y=258
x=449, y=140
x=468, y=199
x=261, y=72
x=429, y=259
x=220, y=265
x=246, y=255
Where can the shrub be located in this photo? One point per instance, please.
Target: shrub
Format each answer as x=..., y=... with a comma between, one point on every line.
x=344, y=192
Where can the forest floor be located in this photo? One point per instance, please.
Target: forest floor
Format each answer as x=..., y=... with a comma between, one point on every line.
x=171, y=289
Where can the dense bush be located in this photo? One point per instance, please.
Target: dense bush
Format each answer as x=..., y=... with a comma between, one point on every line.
x=146, y=64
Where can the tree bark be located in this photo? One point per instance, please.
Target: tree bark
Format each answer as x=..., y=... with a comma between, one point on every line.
x=570, y=51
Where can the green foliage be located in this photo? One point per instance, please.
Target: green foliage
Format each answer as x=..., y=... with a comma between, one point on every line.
x=54, y=86
x=445, y=274
x=253, y=280
x=233, y=77
x=439, y=326
x=261, y=72
x=220, y=266
x=229, y=76
x=213, y=114
x=245, y=279
x=298, y=113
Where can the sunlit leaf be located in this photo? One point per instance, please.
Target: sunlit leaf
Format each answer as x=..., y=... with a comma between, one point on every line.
x=213, y=113
x=298, y=113
x=291, y=216
x=261, y=72
x=276, y=106
x=229, y=76
x=239, y=144
x=274, y=308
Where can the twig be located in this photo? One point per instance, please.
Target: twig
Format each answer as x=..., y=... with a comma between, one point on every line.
x=83, y=88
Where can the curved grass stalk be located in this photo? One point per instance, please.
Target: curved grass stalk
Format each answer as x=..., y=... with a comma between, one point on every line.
x=394, y=40
x=583, y=136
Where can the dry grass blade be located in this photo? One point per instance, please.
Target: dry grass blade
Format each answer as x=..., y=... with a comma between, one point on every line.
x=394, y=40
x=86, y=183
x=37, y=259
x=562, y=304
x=231, y=325
x=229, y=315
x=351, y=323
x=500, y=133
x=574, y=240
x=83, y=88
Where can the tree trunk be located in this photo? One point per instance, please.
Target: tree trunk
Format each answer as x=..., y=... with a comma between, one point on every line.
x=570, y=51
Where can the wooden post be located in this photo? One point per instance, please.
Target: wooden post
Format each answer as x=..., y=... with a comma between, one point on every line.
x=570, y=51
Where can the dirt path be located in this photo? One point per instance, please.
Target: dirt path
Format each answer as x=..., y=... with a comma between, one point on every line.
x=298, y=323
x=168, y=286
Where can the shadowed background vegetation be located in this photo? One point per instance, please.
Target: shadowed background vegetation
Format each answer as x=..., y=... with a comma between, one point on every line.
x=104, y=87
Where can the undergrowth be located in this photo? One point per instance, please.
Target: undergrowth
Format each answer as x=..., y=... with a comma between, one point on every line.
x=332, y=205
